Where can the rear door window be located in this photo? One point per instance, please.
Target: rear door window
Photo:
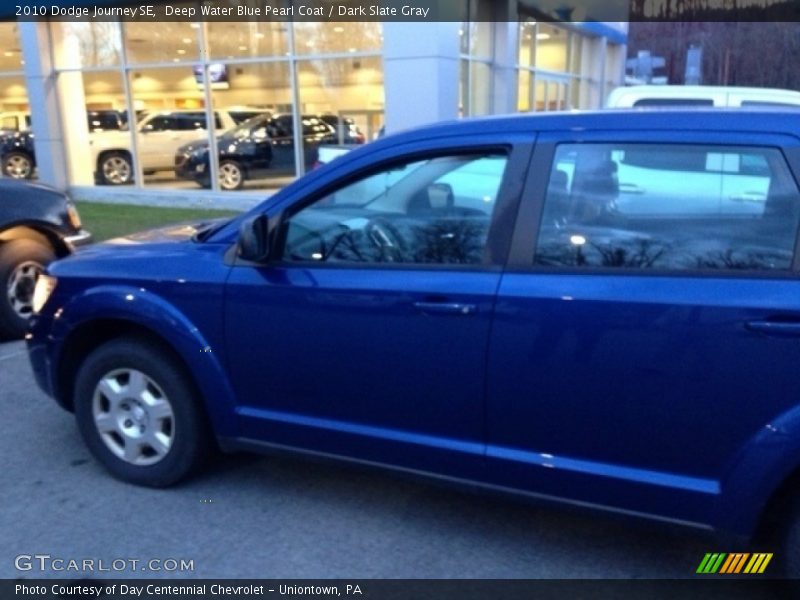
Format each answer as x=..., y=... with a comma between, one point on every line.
x=669, y=206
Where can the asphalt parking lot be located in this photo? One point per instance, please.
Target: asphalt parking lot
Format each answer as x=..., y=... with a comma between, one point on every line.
x=267, y=517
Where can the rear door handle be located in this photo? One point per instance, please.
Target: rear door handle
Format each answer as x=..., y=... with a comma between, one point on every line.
x=776, y=328
x=445, y=308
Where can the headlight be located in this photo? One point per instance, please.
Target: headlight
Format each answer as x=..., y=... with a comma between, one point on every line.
x=42, y=292
x=74, y=217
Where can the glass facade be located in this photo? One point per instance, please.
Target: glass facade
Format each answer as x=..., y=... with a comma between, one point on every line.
x=562, y=68
x=232, y=106
x=477, y=48
x=14, y=111
x=218, y=105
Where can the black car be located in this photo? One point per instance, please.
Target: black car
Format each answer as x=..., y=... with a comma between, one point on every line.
x=259, y=147
x=37, y=225
x=17, y=155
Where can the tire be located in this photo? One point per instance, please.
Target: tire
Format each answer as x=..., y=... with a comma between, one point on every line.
x=21, y=262
x=231, y=175
x=154, y=430
x=18, y=165
x=115, y=168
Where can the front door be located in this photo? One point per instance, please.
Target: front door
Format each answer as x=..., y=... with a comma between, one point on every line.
x=367, y=333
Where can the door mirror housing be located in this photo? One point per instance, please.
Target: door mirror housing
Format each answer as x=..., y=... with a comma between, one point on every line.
x=440, y=196
x=254, y=239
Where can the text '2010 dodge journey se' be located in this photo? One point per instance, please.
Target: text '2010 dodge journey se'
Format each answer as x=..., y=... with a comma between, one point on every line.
x=599, y=308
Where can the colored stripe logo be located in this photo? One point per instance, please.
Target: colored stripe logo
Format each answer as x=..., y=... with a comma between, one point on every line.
x=734, y=563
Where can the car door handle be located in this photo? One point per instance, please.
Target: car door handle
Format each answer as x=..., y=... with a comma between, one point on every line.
x=776, y=328
x=445, y=308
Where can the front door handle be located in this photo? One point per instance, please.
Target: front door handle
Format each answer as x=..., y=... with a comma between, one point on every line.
x=445, y=308
x=776, y=328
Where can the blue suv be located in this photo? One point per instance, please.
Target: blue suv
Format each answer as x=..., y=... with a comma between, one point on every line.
x=597, y=308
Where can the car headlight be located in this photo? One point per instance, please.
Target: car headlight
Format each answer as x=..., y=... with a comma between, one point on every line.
x=74, y=217
x=45, y=284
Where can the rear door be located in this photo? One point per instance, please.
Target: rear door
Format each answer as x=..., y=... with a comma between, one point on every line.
x=647, y=326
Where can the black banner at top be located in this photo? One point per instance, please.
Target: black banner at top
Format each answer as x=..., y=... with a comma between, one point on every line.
x=405, y=10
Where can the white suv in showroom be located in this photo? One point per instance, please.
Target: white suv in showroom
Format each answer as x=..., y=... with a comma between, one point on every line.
x=160, y=134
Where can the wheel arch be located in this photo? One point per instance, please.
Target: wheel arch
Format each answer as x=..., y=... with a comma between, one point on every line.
x=107, y=151
x=765, y=471
x=19, y=150
x=36, y=233
x=108, y=314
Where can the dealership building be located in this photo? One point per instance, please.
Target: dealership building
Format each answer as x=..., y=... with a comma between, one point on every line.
x=365, y=77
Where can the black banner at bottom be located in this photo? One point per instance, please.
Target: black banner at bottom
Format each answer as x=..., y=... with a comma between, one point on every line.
x=396, y=589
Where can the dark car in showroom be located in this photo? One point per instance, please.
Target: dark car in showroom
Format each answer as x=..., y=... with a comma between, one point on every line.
x=260, y=147
x=17, y=154
x=598, y=309
x=37, y=225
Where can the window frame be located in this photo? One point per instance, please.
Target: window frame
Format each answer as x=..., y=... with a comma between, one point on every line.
x=508, y=198
x=526, y=231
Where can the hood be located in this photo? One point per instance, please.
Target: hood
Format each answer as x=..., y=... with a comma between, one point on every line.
x=177, y=232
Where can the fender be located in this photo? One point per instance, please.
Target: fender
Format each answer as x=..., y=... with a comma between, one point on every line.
x=150, y=311
x=761, y=466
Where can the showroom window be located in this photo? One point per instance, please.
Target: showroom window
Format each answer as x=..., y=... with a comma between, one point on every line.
x=477, y=48
x=314, y=83
x=15, y=120
x=558, y=68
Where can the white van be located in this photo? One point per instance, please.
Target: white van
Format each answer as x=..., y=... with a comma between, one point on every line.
x=700, y=95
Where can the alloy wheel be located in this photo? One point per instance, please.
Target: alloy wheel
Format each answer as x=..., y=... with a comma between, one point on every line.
x=230, y=176
x=116, y=170
x=18, y=167
x=21, y=285
x=133, y=416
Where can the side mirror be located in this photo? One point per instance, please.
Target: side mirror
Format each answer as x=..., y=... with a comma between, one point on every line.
x=254, y=239
x=440, y=196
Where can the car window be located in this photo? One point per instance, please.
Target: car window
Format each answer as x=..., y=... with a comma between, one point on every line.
x=240, y=116
x=433, y=211
x=104, y=121
x=160, y=123
x=669, y=207
x=674, y=102
x=190, y=121
x=280, y=127
x=769, y=103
